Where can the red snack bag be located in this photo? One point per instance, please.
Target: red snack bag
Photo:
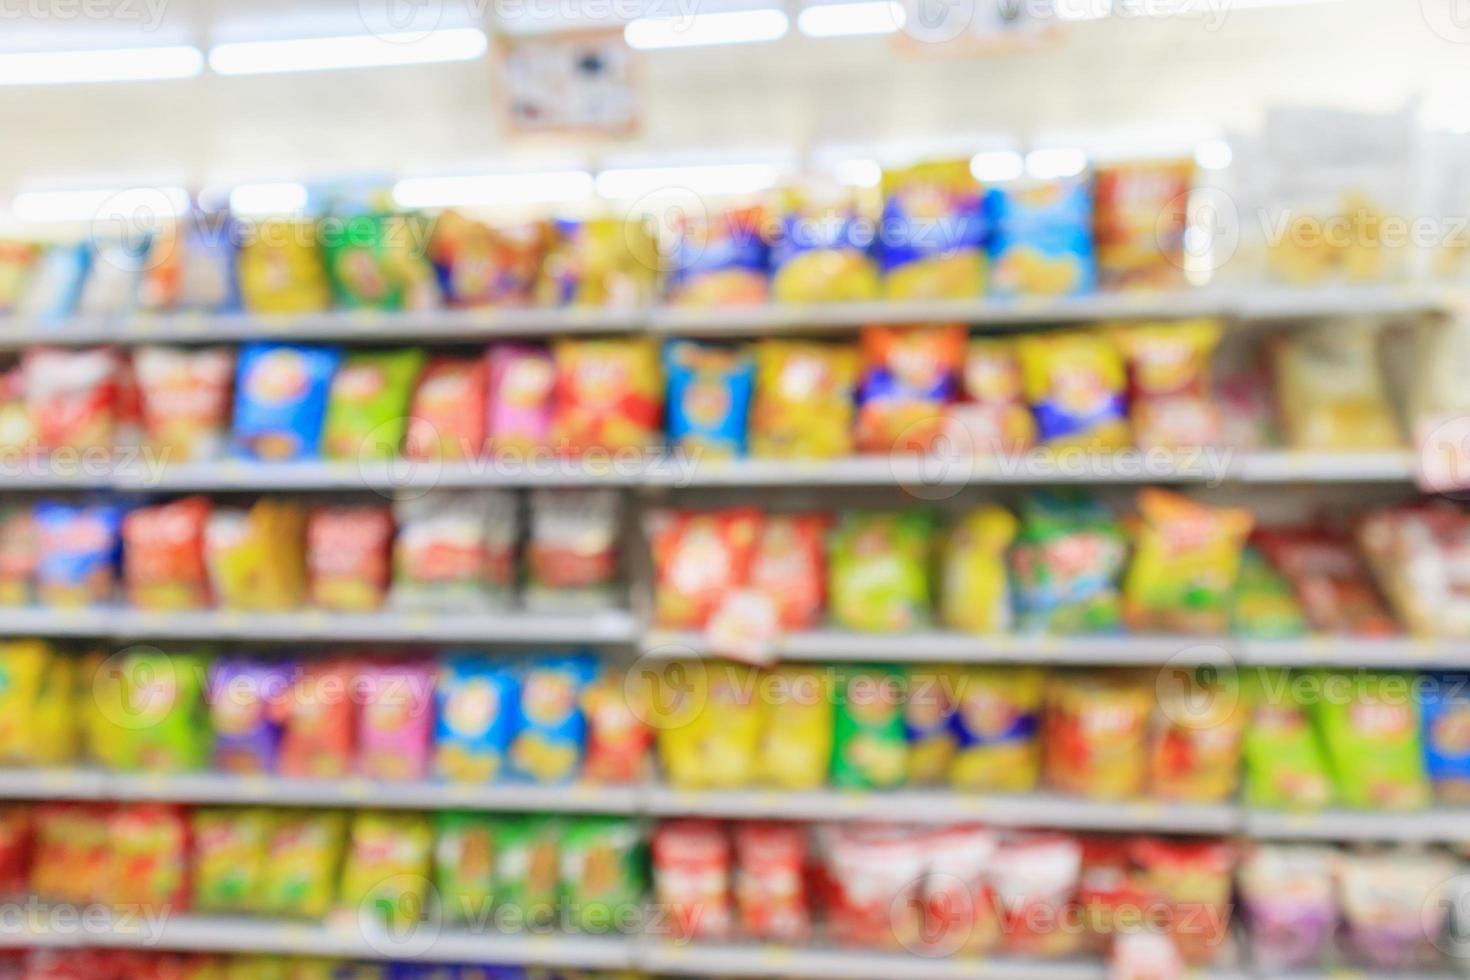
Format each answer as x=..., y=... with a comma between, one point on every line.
x=871, y=877
x=15, y=849
x=1094, y=734
x=148, y=855
x=348, y=557
x=572, y=553
x=789, y=565
x=1105, y=892
x=185, y=398
x=1035, y=879
x=71, y=396
x=1193, y=879
x=1330, y=579
x=71, y=855
x=770, y=887
x=319, y=722
x=691, y=877
x=446, y=418
x=163, y=555
x=20, y=549
x=699, y=557
x=959, y=908
x=617, y=739
x=608, y=395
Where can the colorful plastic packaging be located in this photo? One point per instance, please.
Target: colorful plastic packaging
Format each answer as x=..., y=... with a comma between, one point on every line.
x=256, y=557
x=1445, y=715
x=1285, y=762
x=477, y=701
x=601, y=872
x=357, y=263
x=795, y=750
x=396, y=720
x=191, y=265
x=464, y=865
x=1139, y=220
x=975, y=593
x=699, y=559
x=246, y=710
x=618, y=739
x=71, y=397
x=78, y=547
x=158, y=706
x=608, y=395
x=993, y=418
x=454, y=550
x=1263, y=606
x=389, y=859
x=348, y=557
x=803, y=405
x=1197, y=733
x=483, y=266
x=163, y=555
x=1370, y=729
x=572, y=553
x=603, y=262
x=820, y=251
x=869, y=747
x=321, y=722
x=147, y=857
x=1190, y=881
x=908, y=379
x=770, y=891
x=19, y=555
x=522, y=381
x=1075, y=383
x=928, y=716
x=447, y=414
x=1288, y=898
x=281, y=400
x=1041, y=238
x=789, y=567
x=720, y=259
x=303, y=857
x=692, y=878
x=23, y=668
x=1169, y=383
x=1094, y=739
x=528, y=870
x=932, y=244
x=281, y=270
x=1330, y=579
x=709, y=718
x=229, y=853
x=997, y=723
x=185, y=399
x=1185, y=560
x=709, y=397
x=1065, y=565
x=367, y=406
x=879, y=569
x=1331, y=391
x=551, y=740
x=54, y=282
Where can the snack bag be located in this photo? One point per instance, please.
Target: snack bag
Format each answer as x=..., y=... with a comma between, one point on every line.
x=356, y=262
x=1415, y=553
x=281, y=399
x=709, y=398
x=618, y=740
x=78, y=547
x=603, y=262
x=58, y=719
x=719, y=260
x=917, y=262
x=464, y=865
x=608, y=395
x=17, y=262
x=1075, y=384
x=347, y=557
x=997, y=726
x=601, y=871
x=148, y=856
x=185, y=398
x=1288, y=896
x=1192, y=881
x=709, y=725
x=1035, y=877
x=928, y=716
x=1445, y=715
x=71, y=397
x=229, y=854
x=699, y=558
x=483, y=266
x=1394, y=905
x=246, y=708
x=1263, y=606
x=1041, y=238
x=1331, y=390
x=454, y=549
x=1169, y=383
x=1139, y=219
x=164, y=700
x=1095, y=733
x=769, y=887
x=281, y=270
x=320, y=722
x=368, y=403
x=1065, y=565
x=789, y=567
x=477, y=702
x=389, y=859
x=522, y=380
x=873, y=875
x=795, y=750
x=1331, y=581
x=975, y=593
x=16, y=836
x=552, y=737
x=820, y=253
x=71, y=852
x=993, y=418
x=572, y=553
x=1285, y=763
x=803, y=404
x=163, y=555
x=528, y=868
x=879, y=568
x=54, y=282
x=692, y=878
x=255, y=557
x=870, y=750
x=19, y=555
x=908, y=380
x=1185, y=560
x=396, y=720
x=1197, y=731
x=1372, y=740
x=191, y=265
x=960, y=914
x=446, y=418
x=23, y=668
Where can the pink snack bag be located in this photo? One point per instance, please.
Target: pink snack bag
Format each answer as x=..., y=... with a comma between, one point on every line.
x=521, y=382
x=396, y=720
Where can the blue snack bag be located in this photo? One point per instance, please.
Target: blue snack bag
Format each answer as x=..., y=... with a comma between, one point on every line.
x=79, y=549
x=552, y=739
x=281, y=399
x=709, y=396
x=55, y=284
x=477, y=704
x=1041, y=238
x=1445, y=718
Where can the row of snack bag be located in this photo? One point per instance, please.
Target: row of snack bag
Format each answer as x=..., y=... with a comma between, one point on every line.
x=443, y=550
x=461, y=717
x=117, y=964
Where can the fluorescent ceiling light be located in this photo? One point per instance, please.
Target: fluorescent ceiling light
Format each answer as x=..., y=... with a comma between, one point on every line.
x=257, y=200
x=732, y=27
x=1052, y=164
x=136, y=206
x=728, y=178
x=994, y=166
x=492, y=189
x=1214, y=155
x=106, y=65
x=859, y=173
x=851, y=19
x=357, y=51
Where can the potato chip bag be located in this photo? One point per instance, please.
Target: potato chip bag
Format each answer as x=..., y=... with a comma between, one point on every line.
x=932, y=244
x=709, y=398
x=483, y=266
x=975, y=594
x=608, y=395
x=908, y=379
x=692, y=878
x=281, y=400
x=478, y=702
x=321, y=721
x=1169, y=383
x=1065, y=565
x=396, y=721
x=78, y=547
x=603, y=262
x=348, y=557
x=572, y=554
x=770, y=888
x=1075, y=384
x=19, y=555
x=229, y=855
x=23, y=668
x=552, y=736
x=356, y=260
x=148, y=856
x=789, y=567
x=1197, y=732
x=72, y=849
x=1285, y=763
x=993, y=418
x=820, y=252
x=709, y=722
x=1185, y=560
x=602, y=874
x=455, y=549
x=281, y=269
x=185, y=398
x=1041, y=238
x=303, y=858
x=256, y=558
x=527, y=870
x=165, y=711
x=699, y=559
x=928, y=716
x=17, y=262
x=54, y=282
x=1444, y=710
x=618, y=739
x=1370, y=730
x=389, y=860
x=879, y=572
x=870, y=750
x=803, y=403
x=163, y=555
x=1330, y=387
x=247, y=709
x=191, y=265
x=367, y=406
x=1094, y=739
x=71, y=397
x=796, y=743
x=720, y=259
x=464, y=865
x=1139, y=220
x=522, y=379
x=446, y=418
x=58, y=723
x=997, y=723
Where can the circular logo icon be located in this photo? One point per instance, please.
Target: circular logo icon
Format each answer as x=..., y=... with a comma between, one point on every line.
x=659, y=225
x=1443, y=462
x=393, y=917
x=1198, y=688
x=667, y=687
x=934, y=920
x=1211, y=232
x=383, y=467
x=1448, y=19
x=401, y=21
x=943, y=470
x=1445, y=917
x=133, y=230
x=136, y=687
x=937, y=21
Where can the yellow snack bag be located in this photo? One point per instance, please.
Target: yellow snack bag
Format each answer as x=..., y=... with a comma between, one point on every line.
x=23, y=668
x=1185, y=560
x=56, y=720
x=997, y=719
x=975, y=591
x=256, y=558
x=932, y=246
x=281, y=269
x=803, y=404
x=1331, y=389
x=796, y=746
x=928, y=715
x=1075, y=383
x=819, y=253
x=709, y=732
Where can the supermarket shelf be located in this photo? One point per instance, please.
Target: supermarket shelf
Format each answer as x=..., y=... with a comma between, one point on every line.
x=612, y=626
x=1287, y=466
x=1437, y=825
x=757, y=960
x=385, y=476
x=1342, y=652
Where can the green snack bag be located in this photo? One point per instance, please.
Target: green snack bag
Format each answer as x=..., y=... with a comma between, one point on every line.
x=601, y=872
x=464, y=865
x=879, y=569
x=1370, y=725
x=359, y=264
x=229, y=857
x=302, y=862
x=869, y=747
x=1285, y=765
x=527, y=867
x=1066, y=562
x=165, y=725
x=1264, y=606
x=388, y=865
x=367, y=406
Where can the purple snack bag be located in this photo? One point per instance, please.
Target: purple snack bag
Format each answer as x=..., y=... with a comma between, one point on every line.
x=246, y=697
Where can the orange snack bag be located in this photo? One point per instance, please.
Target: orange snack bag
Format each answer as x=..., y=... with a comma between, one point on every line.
x=163, y=555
